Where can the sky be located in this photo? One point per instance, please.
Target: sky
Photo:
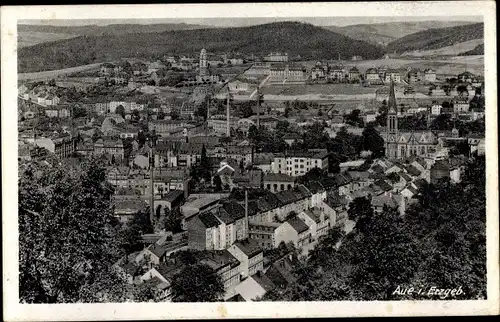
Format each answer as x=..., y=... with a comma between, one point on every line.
x=240, y=22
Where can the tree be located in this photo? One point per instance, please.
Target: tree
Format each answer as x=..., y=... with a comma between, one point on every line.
x=173, y=220
x=361, y=211
x=197, y=283
x=462, y=90
x=217, y=183
x=205, y=164
x=66, y=238
x=372, y=141
x=120, y=110
x=354, y=118
x=287, y=112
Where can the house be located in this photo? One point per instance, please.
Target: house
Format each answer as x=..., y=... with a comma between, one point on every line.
x=354, y=74
x=316, y=220
x=263, y=233
x=372, y=74
x=293, y=230
x=276, y=182
x=436, y=108
x=173, y=199
x=291, y=138
x=204, y=231
x=281, y=271
x=111, y=148
x=336, y=73
x=409, y=192
x=125, y=209
x=439, y=170
x=62, y=145
x=226, y=266
x=226, y=173
x=107, y=69
x=318, y=72
x=392, y=201
x=297, y=163
x=254, y=287
x=460, y=105
x=430, y=75
x=250, y=256
x=392, y=75
x=159, y=251
x=317, y=190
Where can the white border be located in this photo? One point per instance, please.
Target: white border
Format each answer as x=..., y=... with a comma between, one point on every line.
x=13, y=311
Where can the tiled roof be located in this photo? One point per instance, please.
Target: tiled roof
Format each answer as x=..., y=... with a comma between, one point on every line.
x=173, y=195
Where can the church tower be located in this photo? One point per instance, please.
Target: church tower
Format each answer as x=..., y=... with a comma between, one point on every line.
x=391, y=144
x=203, y=63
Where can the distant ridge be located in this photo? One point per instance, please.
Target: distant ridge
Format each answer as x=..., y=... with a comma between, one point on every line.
x=112, y=29
x=384, y=33
x=298, y=39
x=437, y=38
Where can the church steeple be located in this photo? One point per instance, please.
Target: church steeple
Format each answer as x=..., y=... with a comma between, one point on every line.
x=392, y=100
x=392, y=113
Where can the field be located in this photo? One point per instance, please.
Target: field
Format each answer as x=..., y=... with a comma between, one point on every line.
x=49, y=74
x=449, y=50
x=445, y=67
x=26, y=39
x=327, y=89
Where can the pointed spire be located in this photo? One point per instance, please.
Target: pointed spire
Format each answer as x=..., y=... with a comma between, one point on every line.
x=392, y=100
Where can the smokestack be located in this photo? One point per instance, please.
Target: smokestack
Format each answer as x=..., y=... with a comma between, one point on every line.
x=258, y=107
x=228, y=130
x=246, y=213
x=151, y=166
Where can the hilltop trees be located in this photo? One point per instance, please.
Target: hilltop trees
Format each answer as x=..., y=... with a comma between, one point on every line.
x=440, y=241
x=197, y=283
x=66, y=239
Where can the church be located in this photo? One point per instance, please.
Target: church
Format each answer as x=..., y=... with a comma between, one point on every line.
x=400, y=145
x=204, y=74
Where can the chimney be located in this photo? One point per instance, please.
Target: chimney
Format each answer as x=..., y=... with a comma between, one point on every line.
x=228, y=129
x=246, y=213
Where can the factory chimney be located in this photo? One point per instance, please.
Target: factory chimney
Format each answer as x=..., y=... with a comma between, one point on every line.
x=228, y=129
x=246, y=214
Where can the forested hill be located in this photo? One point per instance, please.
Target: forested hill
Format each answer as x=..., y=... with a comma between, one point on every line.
x=384, y=33
x=306, y=40
x=437, y=38
x=112, y=29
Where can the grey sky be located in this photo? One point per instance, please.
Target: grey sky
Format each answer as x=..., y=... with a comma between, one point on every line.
x=239, y=22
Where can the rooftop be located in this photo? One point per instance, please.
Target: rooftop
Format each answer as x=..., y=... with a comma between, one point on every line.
x=297, y=224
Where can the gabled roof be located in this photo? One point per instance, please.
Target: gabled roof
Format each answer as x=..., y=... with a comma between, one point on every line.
x=412, y=170
x=249, y=247
x=209, y=220
x=314, y=186
x=404, y=176
x=383, y=185
x=297, y=224
x=235, y=210
x=173, y=195
x=278, y=177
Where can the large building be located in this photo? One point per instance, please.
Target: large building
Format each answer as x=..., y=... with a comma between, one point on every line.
x=399, y=145
x=298, y=163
